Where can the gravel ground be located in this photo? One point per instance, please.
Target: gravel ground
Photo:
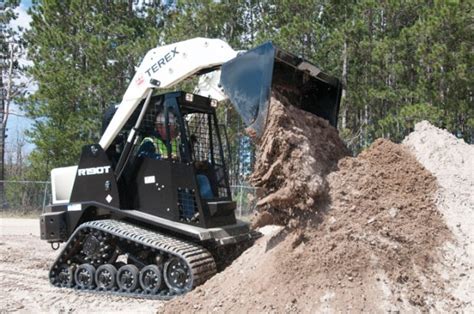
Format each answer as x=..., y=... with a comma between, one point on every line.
x=24, y=264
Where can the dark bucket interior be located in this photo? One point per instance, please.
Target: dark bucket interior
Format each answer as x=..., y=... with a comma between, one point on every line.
x=250, y=79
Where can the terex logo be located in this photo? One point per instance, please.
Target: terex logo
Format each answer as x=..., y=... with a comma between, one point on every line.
x=162, y=62
x=93, y=171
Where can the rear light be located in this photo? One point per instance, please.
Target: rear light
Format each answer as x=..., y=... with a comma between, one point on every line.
x=189, y=97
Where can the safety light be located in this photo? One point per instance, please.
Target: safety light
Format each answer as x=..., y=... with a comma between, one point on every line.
x=189, y=97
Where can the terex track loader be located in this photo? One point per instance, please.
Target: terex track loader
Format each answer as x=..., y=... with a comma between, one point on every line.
x=148, y=210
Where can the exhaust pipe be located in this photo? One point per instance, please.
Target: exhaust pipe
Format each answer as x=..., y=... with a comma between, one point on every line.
x=251, y=78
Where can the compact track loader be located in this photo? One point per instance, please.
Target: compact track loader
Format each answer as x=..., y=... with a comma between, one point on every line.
x=148, y=210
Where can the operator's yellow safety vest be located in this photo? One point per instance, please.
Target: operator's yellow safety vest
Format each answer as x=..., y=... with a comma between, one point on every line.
x=164, y=151
x=160, y=146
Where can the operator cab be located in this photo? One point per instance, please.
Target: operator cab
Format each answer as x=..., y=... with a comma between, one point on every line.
x=176, y=169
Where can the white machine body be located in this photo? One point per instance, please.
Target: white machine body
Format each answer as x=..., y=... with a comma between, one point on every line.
x=62, y=181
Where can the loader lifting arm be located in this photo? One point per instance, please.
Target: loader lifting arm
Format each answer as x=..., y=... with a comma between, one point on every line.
x=248, y=79
x=164, y=67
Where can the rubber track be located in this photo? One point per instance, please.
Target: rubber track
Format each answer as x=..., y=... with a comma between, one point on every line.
x=199, y=260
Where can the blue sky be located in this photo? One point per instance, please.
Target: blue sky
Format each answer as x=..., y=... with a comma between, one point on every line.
x=26, y=3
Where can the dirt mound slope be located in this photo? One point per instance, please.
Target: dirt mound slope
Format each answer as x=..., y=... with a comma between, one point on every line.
x=384, y=213
x=451, y=160
x=296, y=152
x=370, y=243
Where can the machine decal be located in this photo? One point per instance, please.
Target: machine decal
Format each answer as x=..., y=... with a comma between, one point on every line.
x=93, y=171
x=149, y=179
x=162, y=62
x=74, y=207
x=140, y=79
x=109, y=198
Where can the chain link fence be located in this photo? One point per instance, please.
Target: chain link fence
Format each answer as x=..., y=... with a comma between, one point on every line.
x=24, y=197
x=246, y=198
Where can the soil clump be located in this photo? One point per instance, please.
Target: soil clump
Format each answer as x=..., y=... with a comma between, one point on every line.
x=295, y=153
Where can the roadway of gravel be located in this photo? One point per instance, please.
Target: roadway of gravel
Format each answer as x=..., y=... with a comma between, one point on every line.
x=24, y=264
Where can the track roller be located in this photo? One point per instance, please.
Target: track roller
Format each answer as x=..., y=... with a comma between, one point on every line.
x=127, y=278
x=85, y=276
x=151, y=279
x=105, y=277
x=65, y=275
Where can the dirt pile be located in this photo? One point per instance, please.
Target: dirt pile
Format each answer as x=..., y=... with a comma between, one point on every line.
x=370, y=243
x=296, y=152
x=382, y=204
x=451, y=160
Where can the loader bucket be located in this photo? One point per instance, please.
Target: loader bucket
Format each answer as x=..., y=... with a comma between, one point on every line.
x=251, y=78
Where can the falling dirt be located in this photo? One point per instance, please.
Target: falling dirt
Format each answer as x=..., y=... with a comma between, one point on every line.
x=365, y=237
x=296, y=152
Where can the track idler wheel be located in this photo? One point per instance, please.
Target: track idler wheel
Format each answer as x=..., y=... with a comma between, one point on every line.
x=151, y=279
x=178, y=275
x=65, y=276
x=85, y=276
x=105, y=277
x=96, y=249
x=127, y=278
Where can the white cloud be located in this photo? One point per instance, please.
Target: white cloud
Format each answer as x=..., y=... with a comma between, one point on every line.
x=20, y=24
x=23, y=20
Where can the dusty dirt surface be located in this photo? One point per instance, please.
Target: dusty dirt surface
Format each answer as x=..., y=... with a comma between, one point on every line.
x=382, y=205
x=296, y=152
x=24, y=265
x=369, y=240
x=451, y=160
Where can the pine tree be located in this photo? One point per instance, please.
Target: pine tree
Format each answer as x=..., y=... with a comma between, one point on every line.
x=10, y=85
x=84, y=54
x=399, y=62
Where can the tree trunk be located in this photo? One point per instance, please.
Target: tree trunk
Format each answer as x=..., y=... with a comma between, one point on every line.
x=5, y=108
x=344, y=86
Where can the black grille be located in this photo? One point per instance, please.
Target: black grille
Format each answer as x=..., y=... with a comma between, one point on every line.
x=188, y=210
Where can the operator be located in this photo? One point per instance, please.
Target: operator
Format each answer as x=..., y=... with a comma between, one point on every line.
x=155, y=146
x=160, y=127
